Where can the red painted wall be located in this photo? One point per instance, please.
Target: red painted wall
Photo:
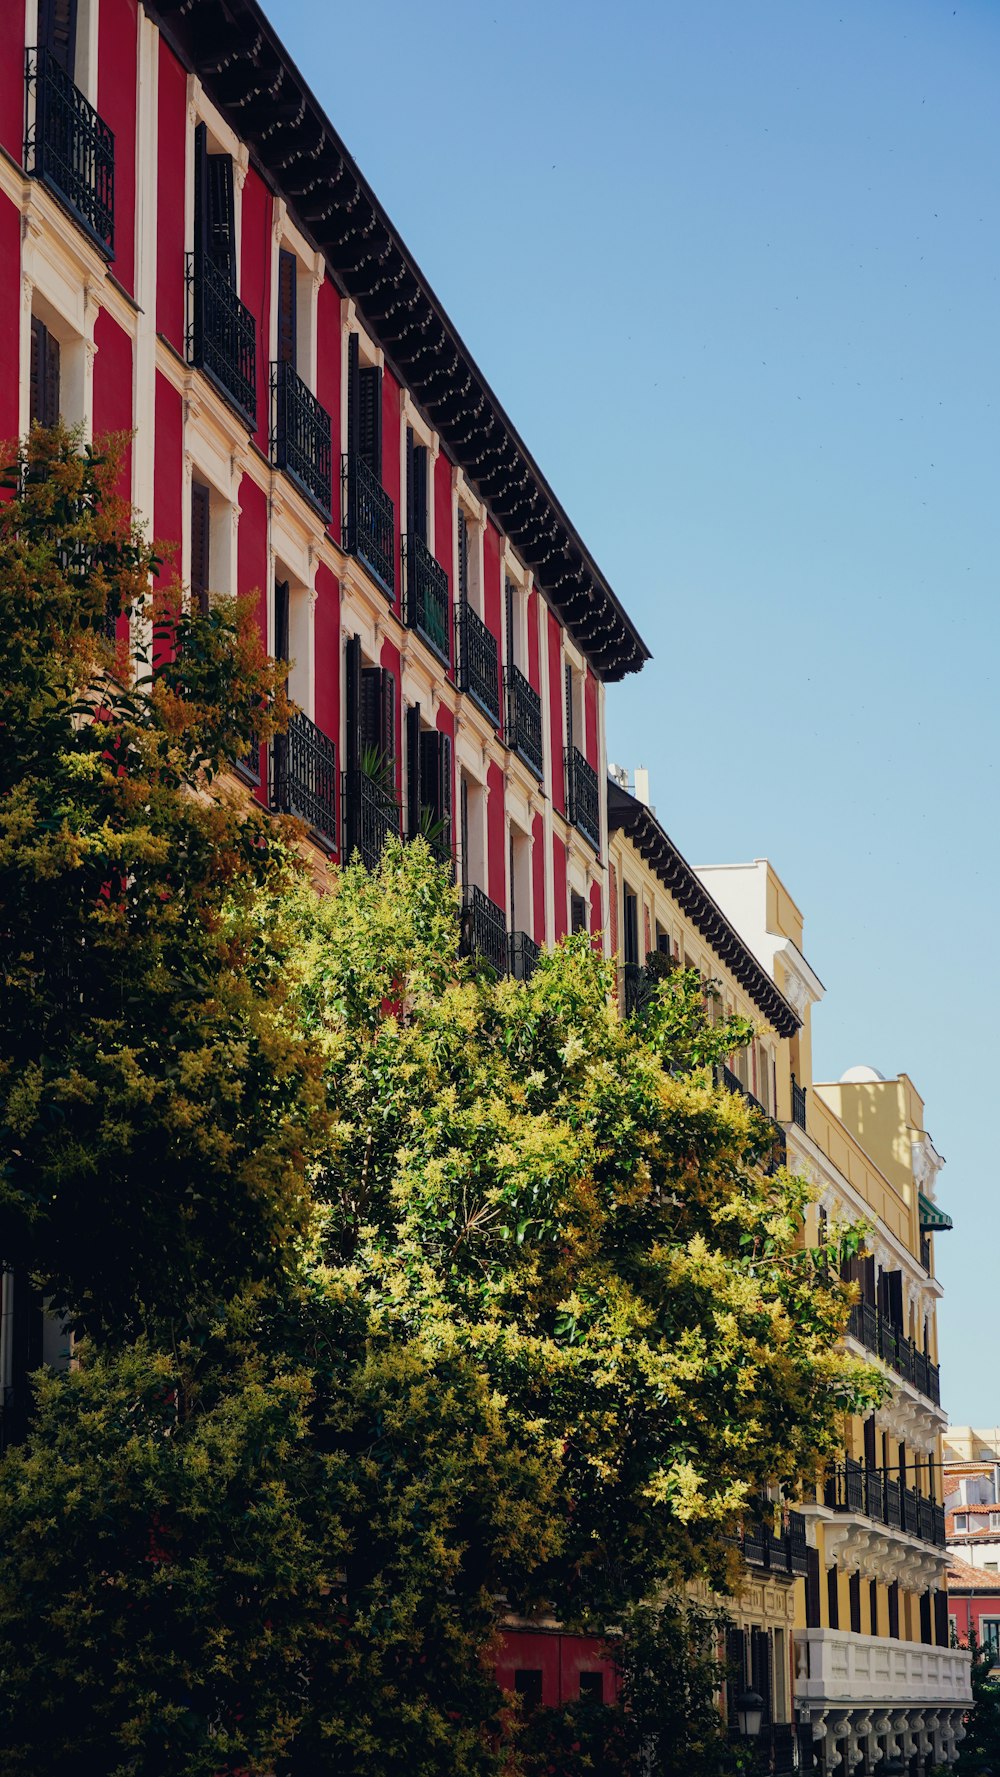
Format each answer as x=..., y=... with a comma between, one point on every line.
x=560, y=1659
x=538, y=878
x=328, y=378
x=560, y=894
x=113, y=387
x=496, y=836
x=10, y=313
x=12, y=81
x=590, y=689
x=556, y=715
x=596, y=912
x=534, y=647
x=255, y=287
x=390, y=466
x=969, y=1610
x=171, y=144
x=117, y=50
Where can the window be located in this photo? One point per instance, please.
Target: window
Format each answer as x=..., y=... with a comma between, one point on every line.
x=417, y=479
x=473, y=834
x=528, y=1686
x=630, y=927
x=200, y=545
x=428, y=783
x=577, y=913
x=514, y=615
x=288, y=327
x=990, y=1566
x=57, y=20
x=214, y=207
x=574, y=712
x=521, y=895
x=364, y=409
x=467, y=561
x=961, y=1520
x=592, y=1686
x=989, y=1634
x=43, y=402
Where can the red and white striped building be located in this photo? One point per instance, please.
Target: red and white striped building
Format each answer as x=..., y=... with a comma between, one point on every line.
x=188, y=251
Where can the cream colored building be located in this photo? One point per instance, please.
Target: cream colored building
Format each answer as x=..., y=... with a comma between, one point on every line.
x=875, y=1679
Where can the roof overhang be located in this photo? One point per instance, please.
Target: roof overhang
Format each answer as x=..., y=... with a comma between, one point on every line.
x=638, y=823
x=248, y=74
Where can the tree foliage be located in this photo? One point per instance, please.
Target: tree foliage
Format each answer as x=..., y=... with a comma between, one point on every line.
x=414, y=1296
x=155, y=1101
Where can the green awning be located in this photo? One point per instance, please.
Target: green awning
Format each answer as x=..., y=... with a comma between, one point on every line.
x=933, y=1218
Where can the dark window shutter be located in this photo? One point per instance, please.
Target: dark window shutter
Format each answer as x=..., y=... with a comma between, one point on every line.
x=281, y=615
x=200, y=515
x=371, y=709
x=287, y=280
x=370, y=419
x=387, y=739
x=414, y=757
x=221, y=225
x=902, y=1464
x=569, y=706
x=419, y=524
x=528, y=1686
x=871, y=1460
x=631, y=924
x=353, y=703
x=941, y=1625
x=893, y=1596
x=411, y=505
x=201, y=191
x=43, y=396
x=832, y=1598
x=868, y=1282
x=463, y=556
x=813, y=1608
x=57, y=32
x=925, y=1618
x=760, y=1670
x=873, y=1606
x=444, y=787
x=854, y=1588
x=353, y=416
x=736, y=1670
x=511, y=595
x=463, y=816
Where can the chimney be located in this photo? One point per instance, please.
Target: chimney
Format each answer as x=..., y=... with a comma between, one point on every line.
x=642, y=784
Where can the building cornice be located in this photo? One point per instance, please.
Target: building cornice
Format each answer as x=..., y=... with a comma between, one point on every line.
x=248, y=74
x=639, y=824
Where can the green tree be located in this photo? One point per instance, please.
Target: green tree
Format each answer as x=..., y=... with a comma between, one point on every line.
x=155, y=1099
x=413, y=1296
x=979, y=1752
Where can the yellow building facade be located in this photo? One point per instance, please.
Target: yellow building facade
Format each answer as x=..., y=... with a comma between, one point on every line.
x=842, y=1623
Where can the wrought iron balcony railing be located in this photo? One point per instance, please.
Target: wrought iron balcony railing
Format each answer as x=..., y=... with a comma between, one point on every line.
x=301, y=436
x=777, y=1544
x=222, y=336
x=478, y=661
x=878, y=1335
x=71, y=149
x=583, y=801
x=524, y=954
x=778, y=1155
x=304, y=776
x=371, y=817
x=877, y=1494
x=798, y=1103
x=369, y=521
x=427, y=608
x=523, y=728
x=484, y=930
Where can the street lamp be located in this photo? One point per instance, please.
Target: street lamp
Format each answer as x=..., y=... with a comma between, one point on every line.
x=749, y=1713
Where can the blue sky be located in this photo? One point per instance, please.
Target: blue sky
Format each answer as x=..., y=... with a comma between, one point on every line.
x=732, y=267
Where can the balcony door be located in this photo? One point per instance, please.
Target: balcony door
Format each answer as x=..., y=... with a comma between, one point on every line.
x=57, y=32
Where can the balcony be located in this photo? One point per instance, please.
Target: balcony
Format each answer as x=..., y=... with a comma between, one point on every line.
x=369, y=521
x=878, y=1335
x=583, y=801
x=304, y=776
x=478, y=668
x=523, y=730
x=798, y=1104
x=221, y=338
x=834, y=1665
x=524, y=954
x=781, y=1552
x=484, y=930
x=371, y=817
x=301, y=441
x=71, y=149
x=427, y=606
x=778, y=1156
x=878, y=1495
